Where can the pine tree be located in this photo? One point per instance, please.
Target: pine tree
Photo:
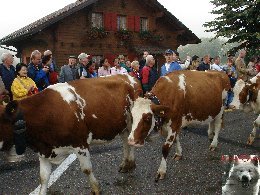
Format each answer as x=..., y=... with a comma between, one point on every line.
x=239, y=21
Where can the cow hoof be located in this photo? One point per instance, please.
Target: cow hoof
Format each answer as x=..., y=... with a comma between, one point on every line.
x=127, y=166
x=177, y=157
x=95, y=193
x=160, y=176
x=250, y=140
x=212, y=148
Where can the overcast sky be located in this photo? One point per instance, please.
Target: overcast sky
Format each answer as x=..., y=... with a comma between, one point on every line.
x=15, y=14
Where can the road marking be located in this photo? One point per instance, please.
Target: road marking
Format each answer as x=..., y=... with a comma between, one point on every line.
x=57, y=173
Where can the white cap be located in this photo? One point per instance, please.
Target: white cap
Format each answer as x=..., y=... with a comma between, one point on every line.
x=82, y=56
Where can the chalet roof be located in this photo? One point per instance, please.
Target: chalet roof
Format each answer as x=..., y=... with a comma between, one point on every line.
x=54, y=17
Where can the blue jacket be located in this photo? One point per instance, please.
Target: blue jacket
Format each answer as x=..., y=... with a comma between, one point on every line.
x=42, y=80
x=33, y=71
x=173, y=66
x=8, y=76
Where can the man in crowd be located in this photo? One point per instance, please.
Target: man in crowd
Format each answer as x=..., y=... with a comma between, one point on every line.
x=81, y=67
x=216, y=64
x=149, y=74
x=205, y=65
x=68, y=72
x=35, y=65
x=7, y=71
x=171, y=63
x=242, y=71
x=142, y=61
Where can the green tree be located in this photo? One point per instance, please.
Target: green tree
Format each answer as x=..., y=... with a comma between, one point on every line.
x=237, y=20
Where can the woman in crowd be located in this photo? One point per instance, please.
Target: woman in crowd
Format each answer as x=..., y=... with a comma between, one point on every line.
x=135, y=70
x=89, y=71
x=104, y=69
x=117, y=69
x=22, y=86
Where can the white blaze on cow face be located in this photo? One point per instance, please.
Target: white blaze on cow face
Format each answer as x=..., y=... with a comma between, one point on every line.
x=1, y=145
x=240, y=84
x=182, y=83
x=141, y=109
x=69, y=94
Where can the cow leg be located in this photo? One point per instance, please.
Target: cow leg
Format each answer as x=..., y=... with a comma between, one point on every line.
x=211, y=130
x=252, y=135
x=128, y=162
x=86, y=167
x=45, y=172
x=178, y=154
x=165, y=151
x=218, y=126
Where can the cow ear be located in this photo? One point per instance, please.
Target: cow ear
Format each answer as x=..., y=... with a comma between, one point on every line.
x=161, y=111
x=11, y=109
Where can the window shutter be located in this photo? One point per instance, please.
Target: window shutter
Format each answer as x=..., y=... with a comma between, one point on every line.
x=131, y=23
x=107, y=21
x=114, y=22
x=137, y=24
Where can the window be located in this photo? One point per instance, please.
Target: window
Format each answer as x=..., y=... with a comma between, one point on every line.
x=121, y=22
x=144, y=24
x=97, y=20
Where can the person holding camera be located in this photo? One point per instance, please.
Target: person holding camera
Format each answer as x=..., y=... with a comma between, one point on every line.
x=22, y=86
x=42, y=77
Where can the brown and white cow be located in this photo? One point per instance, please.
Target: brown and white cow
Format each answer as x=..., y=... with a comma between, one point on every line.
x=247, y=98
x=185, y=97
x=66, y=117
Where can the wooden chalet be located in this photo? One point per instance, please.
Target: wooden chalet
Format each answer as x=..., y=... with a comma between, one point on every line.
x=103, y=28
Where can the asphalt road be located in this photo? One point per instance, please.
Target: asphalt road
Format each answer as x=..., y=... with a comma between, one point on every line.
x=199, y=172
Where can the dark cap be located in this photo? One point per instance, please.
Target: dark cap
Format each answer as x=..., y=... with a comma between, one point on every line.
x=74, y=57
x=169, y=51
x=195, y=57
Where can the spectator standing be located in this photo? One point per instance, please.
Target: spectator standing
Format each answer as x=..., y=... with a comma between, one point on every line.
x=53, y=75
x=216, y=64
x=257, y=64
x=135, y=70
x=231, y=72
x=149, y=74
x=42, y=77
x=122, y=63
x=205, y=65
x=90, y=70
x=117, y=69
x=22, y=86
x=68, y=72
x=35, y=65
x=171, y=64
x=81, y=67
x=194, y=62
x=242, y=71
x=252, y=67
x=104, y=69
x=142, y=61
x=7, y=71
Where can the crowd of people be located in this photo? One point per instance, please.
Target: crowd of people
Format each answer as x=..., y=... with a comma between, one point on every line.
x=25, y=80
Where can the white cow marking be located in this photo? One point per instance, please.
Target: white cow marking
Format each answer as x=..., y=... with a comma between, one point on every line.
x=69, y=94
x=131, y=79
x=240, y=84
x=182, y=83
x=94, y=116
x=1, y=144
x=89, y=140
x=168, y=79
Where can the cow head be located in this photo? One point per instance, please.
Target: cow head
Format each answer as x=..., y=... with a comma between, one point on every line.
x=143, y=113
x=244, y=94
x=7, y=115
